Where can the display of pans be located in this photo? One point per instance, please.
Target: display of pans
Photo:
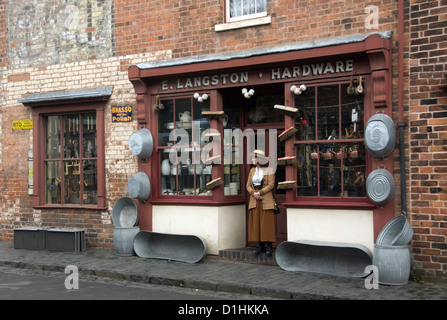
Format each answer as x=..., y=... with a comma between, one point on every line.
x=380, y=135
x=380, y=186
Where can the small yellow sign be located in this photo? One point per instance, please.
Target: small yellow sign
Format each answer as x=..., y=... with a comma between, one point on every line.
x=24, y=124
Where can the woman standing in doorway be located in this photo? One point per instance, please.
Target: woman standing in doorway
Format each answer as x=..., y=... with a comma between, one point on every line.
x=261, y=220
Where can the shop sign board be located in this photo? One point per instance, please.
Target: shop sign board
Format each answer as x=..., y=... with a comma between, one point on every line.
x=24, y=124
x=294, y=72
x=121, y=114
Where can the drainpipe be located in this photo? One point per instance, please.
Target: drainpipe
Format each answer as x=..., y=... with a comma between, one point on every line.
x=401, y=123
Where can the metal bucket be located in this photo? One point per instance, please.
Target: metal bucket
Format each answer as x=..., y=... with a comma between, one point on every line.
x=141, y=143
x=123, y=240
x=405, y=236
x=333, y=258
x=139, y=186
x=380, y=187
x=185, y=248
x=396, y=232
x=125, y=213
x=393, y=264
x=380, y=135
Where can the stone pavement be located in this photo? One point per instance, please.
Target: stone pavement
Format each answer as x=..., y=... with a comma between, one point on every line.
x=211, y=274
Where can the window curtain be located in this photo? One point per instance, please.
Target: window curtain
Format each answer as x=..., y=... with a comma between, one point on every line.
x=247, y=7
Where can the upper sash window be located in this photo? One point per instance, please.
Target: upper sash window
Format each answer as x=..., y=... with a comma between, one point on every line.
x=245, y=9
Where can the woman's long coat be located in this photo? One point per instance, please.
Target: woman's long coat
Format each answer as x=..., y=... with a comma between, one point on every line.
x=266, y=192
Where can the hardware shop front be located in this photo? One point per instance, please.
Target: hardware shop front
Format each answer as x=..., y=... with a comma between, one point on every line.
x=305, y=105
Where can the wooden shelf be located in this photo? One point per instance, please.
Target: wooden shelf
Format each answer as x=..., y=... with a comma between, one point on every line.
x=214, y=183
x=213, y=114
x=287, y=185
x=286, y=160
x=287, y=134
x=212, y=159
x=291, y=110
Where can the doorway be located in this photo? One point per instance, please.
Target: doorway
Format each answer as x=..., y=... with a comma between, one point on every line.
x=280, y=195
x=257, y=114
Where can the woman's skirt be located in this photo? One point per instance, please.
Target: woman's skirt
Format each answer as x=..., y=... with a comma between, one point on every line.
x=261, y=224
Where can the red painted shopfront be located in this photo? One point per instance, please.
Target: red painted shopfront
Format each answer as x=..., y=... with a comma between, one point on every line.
x=199, y=108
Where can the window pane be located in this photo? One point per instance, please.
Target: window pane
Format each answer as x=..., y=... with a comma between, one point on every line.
x=165, y=122
x=235, y=8
x=249, y=7
x=71, y=136
x=354, y=182
x=351, y=105
x=260, y=108
x=183, y=173
x=246, y=7
x=90, y=182
x=307, y=179
x=232, y=109
x=183, y=120
x=261, y=6
x=53, y=146
x=200, y=124
x=328, y=112
x=71, y=182
x=305, y=121
x=53, y=182
x=89, y=135
x=330, y=169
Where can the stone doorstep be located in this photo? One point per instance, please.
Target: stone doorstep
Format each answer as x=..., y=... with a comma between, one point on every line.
x=246, y=255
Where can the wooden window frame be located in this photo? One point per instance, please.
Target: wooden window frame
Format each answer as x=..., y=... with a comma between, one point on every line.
x=295, y=200
x=40, y=113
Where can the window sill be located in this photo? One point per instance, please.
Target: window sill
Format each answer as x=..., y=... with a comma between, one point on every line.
x=197, y=202
x=317, y=203
x=83, y=207
x=243, y=24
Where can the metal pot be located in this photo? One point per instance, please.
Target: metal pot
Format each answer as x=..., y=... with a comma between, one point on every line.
x=380, y=135
x=397, y=232
x=139, y=186
x=141, y=143
x=380, y=187
x=125, y=213
x=393, y=264
x=123, y=240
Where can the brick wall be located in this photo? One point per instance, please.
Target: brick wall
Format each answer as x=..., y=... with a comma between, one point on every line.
x=16, y=205
x=428, y=133
x=3, y=38
x=187, y=27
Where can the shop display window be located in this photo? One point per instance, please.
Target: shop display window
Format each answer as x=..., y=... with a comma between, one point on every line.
x=329, y=142
x=71, y=159
x=182, y=136
x=231, y=142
